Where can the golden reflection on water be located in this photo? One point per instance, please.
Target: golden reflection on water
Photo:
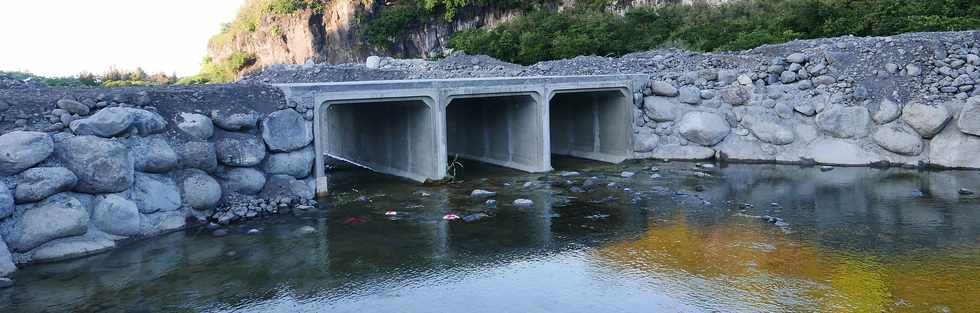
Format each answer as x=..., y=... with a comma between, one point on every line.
x=776, y=271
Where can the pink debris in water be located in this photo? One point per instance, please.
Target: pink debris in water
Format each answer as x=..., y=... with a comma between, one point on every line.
x=450, y=217
x=355, y=220
x=391, y=213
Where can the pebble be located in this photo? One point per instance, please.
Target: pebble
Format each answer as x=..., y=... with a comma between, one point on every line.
x=480, y=193
x=626, y=174
x=219, y=233
x=306, y=230
x=492, y=204
x=253, y=231
x=826, y=168
x=524, y=203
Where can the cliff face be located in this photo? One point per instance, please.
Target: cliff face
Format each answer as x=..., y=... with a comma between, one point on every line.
x=332, y=35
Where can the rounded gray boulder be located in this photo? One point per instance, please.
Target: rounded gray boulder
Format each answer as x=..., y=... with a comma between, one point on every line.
x=703, y=128
x=898, y=138
x=102, y=165
x=195, y=125
x=296, y=164
x=286, y=130
x=198, y=154
x=106, y=123
x=243, y=180
x=116, y=215
x=153, y=155
x=20, y=150
x=58, y=216
x=240, y=150
x=155, y=193
x=38, y=183
x=846, y=122
x=235, y=121
x=200, y=191
x=927, y=120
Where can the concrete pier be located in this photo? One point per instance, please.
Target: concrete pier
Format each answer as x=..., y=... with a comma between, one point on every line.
x=412, y=128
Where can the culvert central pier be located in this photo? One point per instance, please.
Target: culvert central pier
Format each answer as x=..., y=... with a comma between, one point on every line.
x=411, y=128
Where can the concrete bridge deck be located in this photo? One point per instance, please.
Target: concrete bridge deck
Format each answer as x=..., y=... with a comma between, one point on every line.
x=412, y=128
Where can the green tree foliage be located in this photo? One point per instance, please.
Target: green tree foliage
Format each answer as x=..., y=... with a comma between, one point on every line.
x=590, y=30
x=224, y=71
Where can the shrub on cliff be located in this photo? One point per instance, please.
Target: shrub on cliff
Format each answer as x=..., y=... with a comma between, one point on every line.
x=224, y=71
x=545, y=35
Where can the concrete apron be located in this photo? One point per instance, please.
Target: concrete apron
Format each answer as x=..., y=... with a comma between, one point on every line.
x=412, y=128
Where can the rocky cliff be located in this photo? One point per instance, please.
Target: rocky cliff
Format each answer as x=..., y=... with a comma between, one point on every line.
x=334, y=35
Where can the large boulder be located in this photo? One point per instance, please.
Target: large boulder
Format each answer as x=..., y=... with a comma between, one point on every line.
x=58, y=216
x=199, y=155
x=106, y=123
x=296, y=164
x=286, y=130
x=898, y=138
x=116, y=215
x=199, y=190
x=153, y=155
x=72, y=247
x=243, y=180
x=197, y=126
x=20, y=150
x=286, y=186
x=703, y=128
x=38, y=183
x=663, y=89
x=839, y=151
x=161, y=222
x=154, y=193
x=645, y=140
x=7, y=266
x=147, y=123
x=102, y=165
x=240, y=150
x=927, y=120
x=235, y=121
x=6, y=201
x=73, y=107
x=772, y=133
x=845, y=122
x=113, y=121
x=887, y=111
x=952, y=148
x=660, y=109
x=969, y=119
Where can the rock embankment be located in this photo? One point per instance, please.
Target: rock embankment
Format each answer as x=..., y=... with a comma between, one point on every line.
x=89, y=173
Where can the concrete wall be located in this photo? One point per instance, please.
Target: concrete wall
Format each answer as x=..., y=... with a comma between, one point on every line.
x=591, y=124
x=505, y=130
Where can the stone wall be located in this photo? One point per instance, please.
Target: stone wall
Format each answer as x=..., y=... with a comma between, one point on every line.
x=126, y=170
x=855, y=101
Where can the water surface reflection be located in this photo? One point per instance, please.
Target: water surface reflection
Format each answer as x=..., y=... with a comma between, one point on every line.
x=738, y=238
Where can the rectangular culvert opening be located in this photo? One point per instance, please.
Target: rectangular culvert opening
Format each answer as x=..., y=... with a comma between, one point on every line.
x=389, y=136
x=505, y=130
x=591, y=124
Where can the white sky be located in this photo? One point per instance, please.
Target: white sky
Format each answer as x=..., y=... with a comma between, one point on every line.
x=65, y=37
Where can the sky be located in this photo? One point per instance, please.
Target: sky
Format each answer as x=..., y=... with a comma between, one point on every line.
x=66, y=37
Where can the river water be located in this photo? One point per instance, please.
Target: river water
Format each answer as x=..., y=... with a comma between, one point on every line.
x=677, y=238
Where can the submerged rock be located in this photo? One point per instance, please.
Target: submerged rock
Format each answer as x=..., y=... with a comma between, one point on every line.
x=524, y=203
x=480, y=193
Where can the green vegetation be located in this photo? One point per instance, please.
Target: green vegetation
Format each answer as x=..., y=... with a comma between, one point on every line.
x=590, y=30
x=111, y=78
x=221, y=72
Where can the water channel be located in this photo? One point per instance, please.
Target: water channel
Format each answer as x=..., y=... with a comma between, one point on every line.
x=673, y=237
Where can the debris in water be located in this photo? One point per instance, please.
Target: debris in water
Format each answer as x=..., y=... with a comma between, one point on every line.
x=826, y=168
x=491, y=204
x=524, y=203
x=450, y=217
x=354, y=220
x=391, y=213
x=966, y=192
x=569, y=174
x=475, y=217
x=597, y=216
x=626, y=174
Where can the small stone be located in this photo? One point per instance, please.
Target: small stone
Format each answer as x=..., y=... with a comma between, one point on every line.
x=490, y=204
x=253, y=231
x=787, y=77
x=219, y=232
x=690, y=95
x=796, y=58
x=626, y=174
x=913, y=70
x=480, y=193
x=524, y=203
x=826, y=168
x=306, y=230
x=966, y=192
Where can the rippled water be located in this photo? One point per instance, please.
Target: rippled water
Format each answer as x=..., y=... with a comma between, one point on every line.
x=737, y=238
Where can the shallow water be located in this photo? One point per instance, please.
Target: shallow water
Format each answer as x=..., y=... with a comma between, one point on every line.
x=685, y=240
